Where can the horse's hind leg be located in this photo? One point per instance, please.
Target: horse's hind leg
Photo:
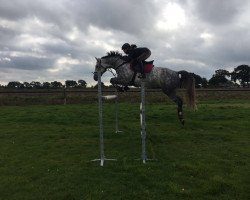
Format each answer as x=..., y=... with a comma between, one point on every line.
x=172, y=95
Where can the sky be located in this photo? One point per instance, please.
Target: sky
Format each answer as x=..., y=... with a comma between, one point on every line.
x=45, y=40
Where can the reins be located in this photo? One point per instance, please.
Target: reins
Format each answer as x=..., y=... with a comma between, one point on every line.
x=121, y=65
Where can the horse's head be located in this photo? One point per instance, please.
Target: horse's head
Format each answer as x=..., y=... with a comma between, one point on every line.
x=100, y=66
x=106, y=62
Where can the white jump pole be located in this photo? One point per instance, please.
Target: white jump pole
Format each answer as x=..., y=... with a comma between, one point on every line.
x=143, y=124
x=109, y=97
x=100, y=98
x=116, y=114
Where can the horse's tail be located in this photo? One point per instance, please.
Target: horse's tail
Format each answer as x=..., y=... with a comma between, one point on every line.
x=187, y=81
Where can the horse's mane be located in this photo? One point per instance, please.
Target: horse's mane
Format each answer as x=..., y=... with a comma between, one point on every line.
x=112, y=54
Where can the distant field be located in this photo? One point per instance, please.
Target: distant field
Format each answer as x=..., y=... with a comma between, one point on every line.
x=45, y=151
x=78, y=96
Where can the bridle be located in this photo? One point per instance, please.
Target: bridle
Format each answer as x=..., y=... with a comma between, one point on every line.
x=100, y=65
x=119, y=88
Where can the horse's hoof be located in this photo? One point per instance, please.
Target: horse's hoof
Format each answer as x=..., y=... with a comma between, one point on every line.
x=126, y=88
x=120, y=89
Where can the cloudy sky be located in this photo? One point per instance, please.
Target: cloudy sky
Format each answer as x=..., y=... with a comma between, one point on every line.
x=47, y=40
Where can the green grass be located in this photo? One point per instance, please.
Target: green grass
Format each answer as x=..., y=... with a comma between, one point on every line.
x=45, y=152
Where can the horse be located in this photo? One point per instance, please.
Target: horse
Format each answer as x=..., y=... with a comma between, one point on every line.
x=166, y=79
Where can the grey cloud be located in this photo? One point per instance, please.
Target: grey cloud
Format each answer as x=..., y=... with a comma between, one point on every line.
x=58, y=49
x=219, y=12
x=27, y=63
x=16, y=10
x=128, y=16
x=233, y=49
x=128, y=21
x=6, y=35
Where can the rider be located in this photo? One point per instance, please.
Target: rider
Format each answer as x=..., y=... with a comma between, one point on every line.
x=136, y=56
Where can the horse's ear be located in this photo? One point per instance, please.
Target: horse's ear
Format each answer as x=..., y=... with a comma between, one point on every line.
x=98, y=59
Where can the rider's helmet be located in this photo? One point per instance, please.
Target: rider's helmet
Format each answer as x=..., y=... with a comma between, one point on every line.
x=125, y=46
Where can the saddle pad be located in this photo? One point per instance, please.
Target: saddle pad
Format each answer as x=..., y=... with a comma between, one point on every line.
x=148, y=66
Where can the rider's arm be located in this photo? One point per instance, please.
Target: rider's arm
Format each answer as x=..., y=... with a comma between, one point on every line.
x=127, y=58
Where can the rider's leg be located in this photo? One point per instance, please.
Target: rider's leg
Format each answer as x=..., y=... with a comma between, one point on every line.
x=141, y=69
x=141, y=58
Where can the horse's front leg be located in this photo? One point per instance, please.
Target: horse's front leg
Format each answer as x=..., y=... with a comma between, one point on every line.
x=117, y=83
x=114, y=81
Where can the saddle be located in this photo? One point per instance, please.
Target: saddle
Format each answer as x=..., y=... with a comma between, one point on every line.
x=147, y=66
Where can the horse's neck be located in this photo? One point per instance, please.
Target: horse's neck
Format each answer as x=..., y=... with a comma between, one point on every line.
x=124, y=70
x=119, y=63
x=114, y=63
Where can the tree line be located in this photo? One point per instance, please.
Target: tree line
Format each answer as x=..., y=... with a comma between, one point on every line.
x=239, y=77
x=46, y=85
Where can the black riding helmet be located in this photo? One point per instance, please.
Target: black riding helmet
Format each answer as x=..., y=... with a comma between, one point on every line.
x=125, y=46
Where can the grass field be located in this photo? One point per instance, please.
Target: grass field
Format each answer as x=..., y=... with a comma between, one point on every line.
x=45, y=152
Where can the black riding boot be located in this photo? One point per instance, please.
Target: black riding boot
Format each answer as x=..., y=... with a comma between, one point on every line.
x=142, y=70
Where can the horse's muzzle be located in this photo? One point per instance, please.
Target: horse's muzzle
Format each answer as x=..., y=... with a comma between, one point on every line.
x=95, y=76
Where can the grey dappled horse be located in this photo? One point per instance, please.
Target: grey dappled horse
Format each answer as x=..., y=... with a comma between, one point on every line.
x=164, y=78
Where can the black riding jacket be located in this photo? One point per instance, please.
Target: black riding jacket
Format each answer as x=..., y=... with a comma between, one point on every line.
x=135, y=53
